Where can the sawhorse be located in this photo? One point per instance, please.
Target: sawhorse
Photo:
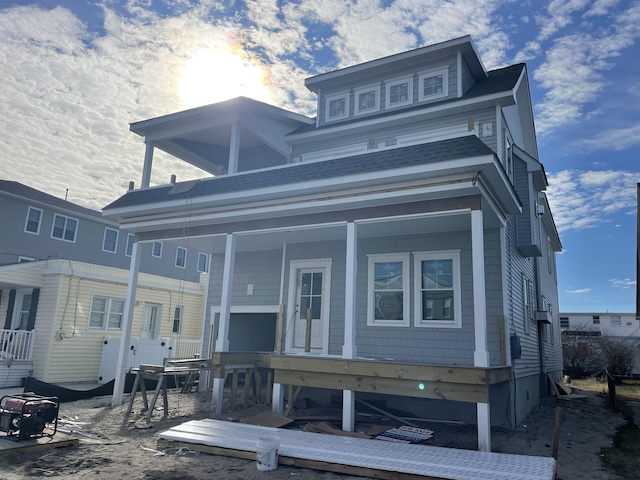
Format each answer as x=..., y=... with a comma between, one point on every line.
x=150, y=372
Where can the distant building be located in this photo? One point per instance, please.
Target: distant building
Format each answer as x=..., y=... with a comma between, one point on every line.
x=63, y=284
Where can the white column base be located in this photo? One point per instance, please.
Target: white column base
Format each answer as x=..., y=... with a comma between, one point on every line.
x=481, y=359
x=348, y=410
x=277, y=403
x=484, y=427
x=218, y=394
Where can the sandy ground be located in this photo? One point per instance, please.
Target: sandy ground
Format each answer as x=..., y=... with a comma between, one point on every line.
x=114, y=447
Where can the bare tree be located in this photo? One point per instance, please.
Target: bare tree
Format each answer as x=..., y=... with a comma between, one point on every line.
x=620, y=356
x=581, y=352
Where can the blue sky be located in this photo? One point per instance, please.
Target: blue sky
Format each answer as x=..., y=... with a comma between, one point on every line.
x=76, y=73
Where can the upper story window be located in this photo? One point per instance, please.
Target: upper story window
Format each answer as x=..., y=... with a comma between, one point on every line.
x=433, y=84
x=596, y=319
x=337, y=107
x=388, y=292
x=616, y=321
x=156, y=251
x=32, y=224
x=106, y=313
x=399, y=92
x=367, y=100
x=437, y=289
x=110, y=240
x=64, y=228
x=203, y=260
x=129, y=249
x=181, y=257
x=564, y=322
x=178, y=315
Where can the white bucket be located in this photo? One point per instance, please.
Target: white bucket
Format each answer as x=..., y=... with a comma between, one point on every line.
x=267, y=453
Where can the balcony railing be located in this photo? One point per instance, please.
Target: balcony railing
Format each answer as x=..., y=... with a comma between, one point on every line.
x=16, y=344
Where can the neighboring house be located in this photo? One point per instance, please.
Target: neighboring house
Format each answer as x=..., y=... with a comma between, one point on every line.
x=407, y=221
x=63, y=284
x=623, y=326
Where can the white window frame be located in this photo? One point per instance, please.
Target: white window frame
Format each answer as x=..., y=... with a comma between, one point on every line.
x=128, y=249
x=178, y=250
x=399, y=81
x=406, y=313
x=23, y=259
x=364, y=90
x=26, y=222
x=20, y=318
x=106, y=314
x=418, y=258
x=104, y=240
x=527, y=303
x=153, y=249
x=431, y=74
x=64, y=228
x=331, y=98
x=206, y=262
x=178, y=318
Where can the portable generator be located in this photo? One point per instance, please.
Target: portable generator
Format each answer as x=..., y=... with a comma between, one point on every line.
x=26, y=415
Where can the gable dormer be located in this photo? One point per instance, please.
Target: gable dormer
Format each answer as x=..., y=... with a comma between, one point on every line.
x=399, y=82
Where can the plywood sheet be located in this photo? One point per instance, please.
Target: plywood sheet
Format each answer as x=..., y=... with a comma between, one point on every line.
x=433, y=462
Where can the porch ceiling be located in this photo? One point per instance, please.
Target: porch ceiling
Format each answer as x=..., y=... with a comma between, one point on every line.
x=275, y=239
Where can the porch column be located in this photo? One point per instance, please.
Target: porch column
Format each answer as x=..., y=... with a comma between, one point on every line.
x=127, y=320
x=222, y=343
x=146, y=169
x=481, y=355
x=349, y=346
x=234, y=148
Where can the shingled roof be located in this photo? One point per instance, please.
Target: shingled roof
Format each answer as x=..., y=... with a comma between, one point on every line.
x=310, y=171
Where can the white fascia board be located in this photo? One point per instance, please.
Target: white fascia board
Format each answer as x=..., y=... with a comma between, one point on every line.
x=236, y=199
x=384, y=196
x=345, y=128
x=177, y=129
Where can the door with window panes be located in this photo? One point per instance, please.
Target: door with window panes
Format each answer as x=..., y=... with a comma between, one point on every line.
x=151, y=321
x=310, y=298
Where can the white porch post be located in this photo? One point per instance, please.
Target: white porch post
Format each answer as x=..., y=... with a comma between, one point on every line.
x=234, y=149
x=127, y=320
x=222, y=343
x=146, y=169
x=349, y=346
x=481, y=355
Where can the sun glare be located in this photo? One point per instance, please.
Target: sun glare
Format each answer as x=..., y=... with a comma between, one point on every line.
x=214, y=75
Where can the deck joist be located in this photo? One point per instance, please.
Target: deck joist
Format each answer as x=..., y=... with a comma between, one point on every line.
x=373, y=458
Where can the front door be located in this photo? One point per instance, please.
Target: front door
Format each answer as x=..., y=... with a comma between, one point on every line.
x=21, y=309
x=311, y=301
x=150, y=321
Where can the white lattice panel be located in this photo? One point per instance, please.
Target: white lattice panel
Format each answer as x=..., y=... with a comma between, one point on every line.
x=446, y=463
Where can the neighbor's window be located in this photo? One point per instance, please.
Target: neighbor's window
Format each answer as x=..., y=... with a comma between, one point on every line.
x=110, y=241
x=399, y=92
x=106, y=313
x=388, y=291
x=367, y=100
x=156, y=251
x=181, y=257
x=616, y=321
x=337, y=107
x=434, y=84
x=64, y=228
x=564, y=322
x=129, y=250
x=596, y=319
x=437, y=289
x=203, y=260
x=32, y=224
x=178, y=314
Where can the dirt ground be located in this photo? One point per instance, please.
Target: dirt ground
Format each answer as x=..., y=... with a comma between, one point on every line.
x=112, y=447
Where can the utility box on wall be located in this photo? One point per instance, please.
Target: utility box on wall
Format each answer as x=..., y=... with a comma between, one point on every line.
x=516, y=349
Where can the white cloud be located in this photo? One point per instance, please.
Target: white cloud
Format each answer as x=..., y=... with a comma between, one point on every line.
x=578, y=291
x=601, y=7
x=559, y=16
x=622, y=282
x=586, y=199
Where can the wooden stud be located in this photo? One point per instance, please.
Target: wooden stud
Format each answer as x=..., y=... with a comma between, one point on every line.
x=246, y=389
x=234, y=389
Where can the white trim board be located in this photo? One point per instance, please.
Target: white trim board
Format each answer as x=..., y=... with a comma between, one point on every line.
x=434, y=462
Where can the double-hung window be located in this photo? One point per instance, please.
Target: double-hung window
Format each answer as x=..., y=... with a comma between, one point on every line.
x=437, y=289
x=156, y=251
x=32, y=224
x=399, y=92
x=178, y=314
x=367, y=100
x=181, y=257
x=388, y=290
x=337, y=107
x=64, y=228
x=203, y=260
x=106, y=313
x=433, y=84
x=110, y=240
x=129, y=249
